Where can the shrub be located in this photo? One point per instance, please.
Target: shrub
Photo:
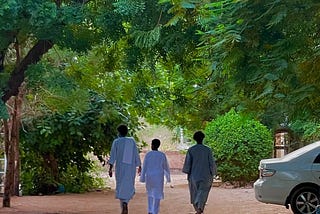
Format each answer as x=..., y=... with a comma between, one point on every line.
x=238, y=143
x=55, y=147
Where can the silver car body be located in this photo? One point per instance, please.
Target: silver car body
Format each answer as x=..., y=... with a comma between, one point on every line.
x=300, y=167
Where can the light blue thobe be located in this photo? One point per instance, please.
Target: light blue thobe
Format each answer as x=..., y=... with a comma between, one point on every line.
x=125, y=156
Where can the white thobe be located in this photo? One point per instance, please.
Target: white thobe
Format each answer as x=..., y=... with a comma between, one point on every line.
x=155, y=168
x=125, y=155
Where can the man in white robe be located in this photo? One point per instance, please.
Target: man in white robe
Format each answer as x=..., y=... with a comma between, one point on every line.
x=125, y=156
x=155, y=168
x=201, y=168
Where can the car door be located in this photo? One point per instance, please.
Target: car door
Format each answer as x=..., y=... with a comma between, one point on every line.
x=316, y=168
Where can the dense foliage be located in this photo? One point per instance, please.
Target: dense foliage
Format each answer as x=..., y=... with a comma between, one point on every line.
x=239, y=143
x=308, y=131
x=37, y=178
x=174, y=62
x=57, y=145
x=70, y=114
x=256, y=56
x=264, y=57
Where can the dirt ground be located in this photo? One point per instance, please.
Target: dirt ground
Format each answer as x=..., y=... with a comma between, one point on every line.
x=221, y=200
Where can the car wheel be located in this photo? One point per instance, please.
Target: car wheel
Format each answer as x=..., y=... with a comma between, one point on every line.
x=305, y=200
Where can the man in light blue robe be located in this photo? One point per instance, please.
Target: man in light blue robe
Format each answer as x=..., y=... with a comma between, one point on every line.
x=201, y=168
x=125, y=156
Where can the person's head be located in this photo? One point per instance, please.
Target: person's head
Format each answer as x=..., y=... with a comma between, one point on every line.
x=155, y=144
x=198, y=137
x=123, y=130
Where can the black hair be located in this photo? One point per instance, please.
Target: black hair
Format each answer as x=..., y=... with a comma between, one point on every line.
x=123, y=130
x=155, y=144
x=199, y=136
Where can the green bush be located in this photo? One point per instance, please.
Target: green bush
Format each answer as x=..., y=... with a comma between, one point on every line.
x=76, y=181
x=37, y=180
x=238, y=143
x=55, y=147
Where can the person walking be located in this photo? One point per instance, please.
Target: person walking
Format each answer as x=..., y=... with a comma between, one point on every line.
x=155, y=167
x=125, y=156
x=200, y=167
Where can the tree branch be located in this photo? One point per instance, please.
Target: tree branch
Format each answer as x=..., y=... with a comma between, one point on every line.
x=17, y=76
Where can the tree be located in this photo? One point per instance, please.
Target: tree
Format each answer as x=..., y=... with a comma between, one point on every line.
x=261, y=59
x=266, y=52
x=36, y=26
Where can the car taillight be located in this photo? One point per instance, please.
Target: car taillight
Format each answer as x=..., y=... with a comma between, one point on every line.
x=267, y=172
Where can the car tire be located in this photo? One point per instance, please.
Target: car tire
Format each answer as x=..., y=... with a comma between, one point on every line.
x=305, y=200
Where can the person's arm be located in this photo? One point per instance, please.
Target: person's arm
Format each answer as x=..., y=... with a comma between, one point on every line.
x=187, y=163
x=110, y=170
x=137, y=158
x=212, y=164
x=167, y=169
x=142, y=172
x=112, y=159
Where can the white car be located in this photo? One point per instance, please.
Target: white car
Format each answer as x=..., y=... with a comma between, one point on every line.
x=293, y=179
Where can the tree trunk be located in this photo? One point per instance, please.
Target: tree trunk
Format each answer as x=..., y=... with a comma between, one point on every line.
x=15, y=142
x=8, y=181
x=16, y=119
x=11, y=129
x=11, y=155
x=51, y=164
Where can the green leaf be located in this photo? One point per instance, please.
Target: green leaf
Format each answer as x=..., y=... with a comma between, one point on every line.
x=270, y=76
x=279, y=96
x=164, y=1
x=268, y=89
x=147, y=39
x=277, y=18
x=188, y=5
